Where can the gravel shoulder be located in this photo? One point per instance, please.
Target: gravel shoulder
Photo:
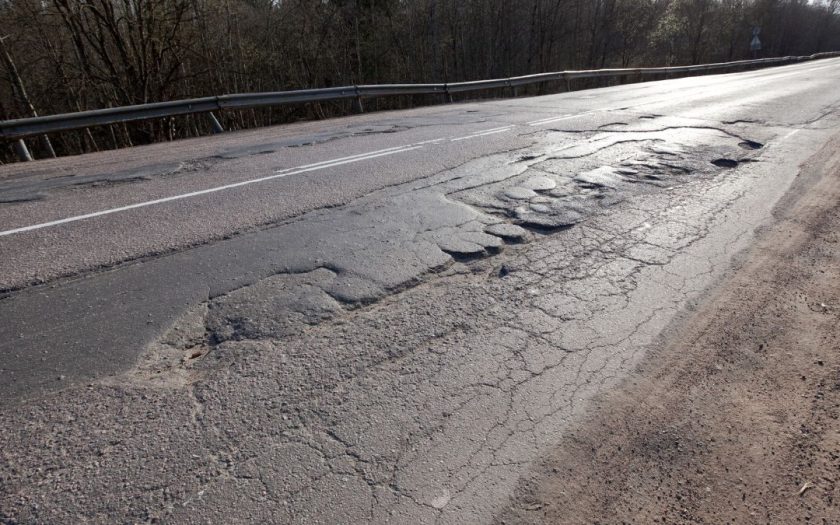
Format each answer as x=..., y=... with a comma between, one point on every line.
x=735, y=418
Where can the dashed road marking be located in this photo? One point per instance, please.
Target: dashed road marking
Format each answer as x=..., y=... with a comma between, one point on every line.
x=552, y=120
x=792, y=133
x=346, y=160
x=482, y=133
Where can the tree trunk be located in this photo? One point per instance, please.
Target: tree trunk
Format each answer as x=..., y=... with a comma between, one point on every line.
x=21, y=92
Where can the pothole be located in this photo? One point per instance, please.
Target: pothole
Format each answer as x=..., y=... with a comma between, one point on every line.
x=543, y=229
x=725, y=163
x=467, y=257
x=751, y=145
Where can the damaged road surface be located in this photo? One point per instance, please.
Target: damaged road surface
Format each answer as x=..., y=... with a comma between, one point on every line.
x=384, y=318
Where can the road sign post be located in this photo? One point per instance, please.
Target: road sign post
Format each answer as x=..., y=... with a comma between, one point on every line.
x=755, y=44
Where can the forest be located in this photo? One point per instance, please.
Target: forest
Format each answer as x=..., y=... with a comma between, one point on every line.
x=60, y=56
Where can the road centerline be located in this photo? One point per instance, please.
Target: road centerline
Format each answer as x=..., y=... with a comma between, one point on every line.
x=216, y=189
x=483, y=133
x=277, y=174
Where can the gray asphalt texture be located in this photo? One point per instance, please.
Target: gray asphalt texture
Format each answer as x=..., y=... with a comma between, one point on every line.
x=392, y=339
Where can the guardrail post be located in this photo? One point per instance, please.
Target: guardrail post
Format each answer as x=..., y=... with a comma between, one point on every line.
x=358, y=107
x=448, y=94
x=214, y=123
x=22, y=151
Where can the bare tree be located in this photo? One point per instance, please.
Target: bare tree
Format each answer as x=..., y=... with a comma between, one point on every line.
x=71, y=55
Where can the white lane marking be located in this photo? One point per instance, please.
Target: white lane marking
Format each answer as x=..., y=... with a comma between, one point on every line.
x=482, y=134
x=792, y=133
x=477, y=135
x=285, y=172
x=820, y=68
x=329, y=164
x=500, y=128
x=558, y=119
x=432, y=141
x=295, y=171
x=491, y=130
x=770, y=75
x=351, y=157
x=535, y=122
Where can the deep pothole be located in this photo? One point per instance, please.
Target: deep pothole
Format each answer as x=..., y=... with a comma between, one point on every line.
x=726, y=163
x=751, y=145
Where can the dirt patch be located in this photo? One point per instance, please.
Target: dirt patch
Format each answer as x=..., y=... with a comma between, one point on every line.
x=736, y=418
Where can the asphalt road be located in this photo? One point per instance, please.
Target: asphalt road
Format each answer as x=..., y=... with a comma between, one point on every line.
x=385, y=317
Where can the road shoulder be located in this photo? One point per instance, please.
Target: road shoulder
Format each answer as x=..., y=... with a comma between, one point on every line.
x=734, y=419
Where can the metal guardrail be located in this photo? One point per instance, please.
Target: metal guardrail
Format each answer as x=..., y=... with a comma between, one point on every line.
x=17, y=130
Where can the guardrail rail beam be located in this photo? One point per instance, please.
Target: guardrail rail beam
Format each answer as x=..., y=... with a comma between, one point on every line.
x=16, y=130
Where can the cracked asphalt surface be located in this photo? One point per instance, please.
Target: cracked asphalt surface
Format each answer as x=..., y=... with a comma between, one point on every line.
x=736, y=417
x=396, y=325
